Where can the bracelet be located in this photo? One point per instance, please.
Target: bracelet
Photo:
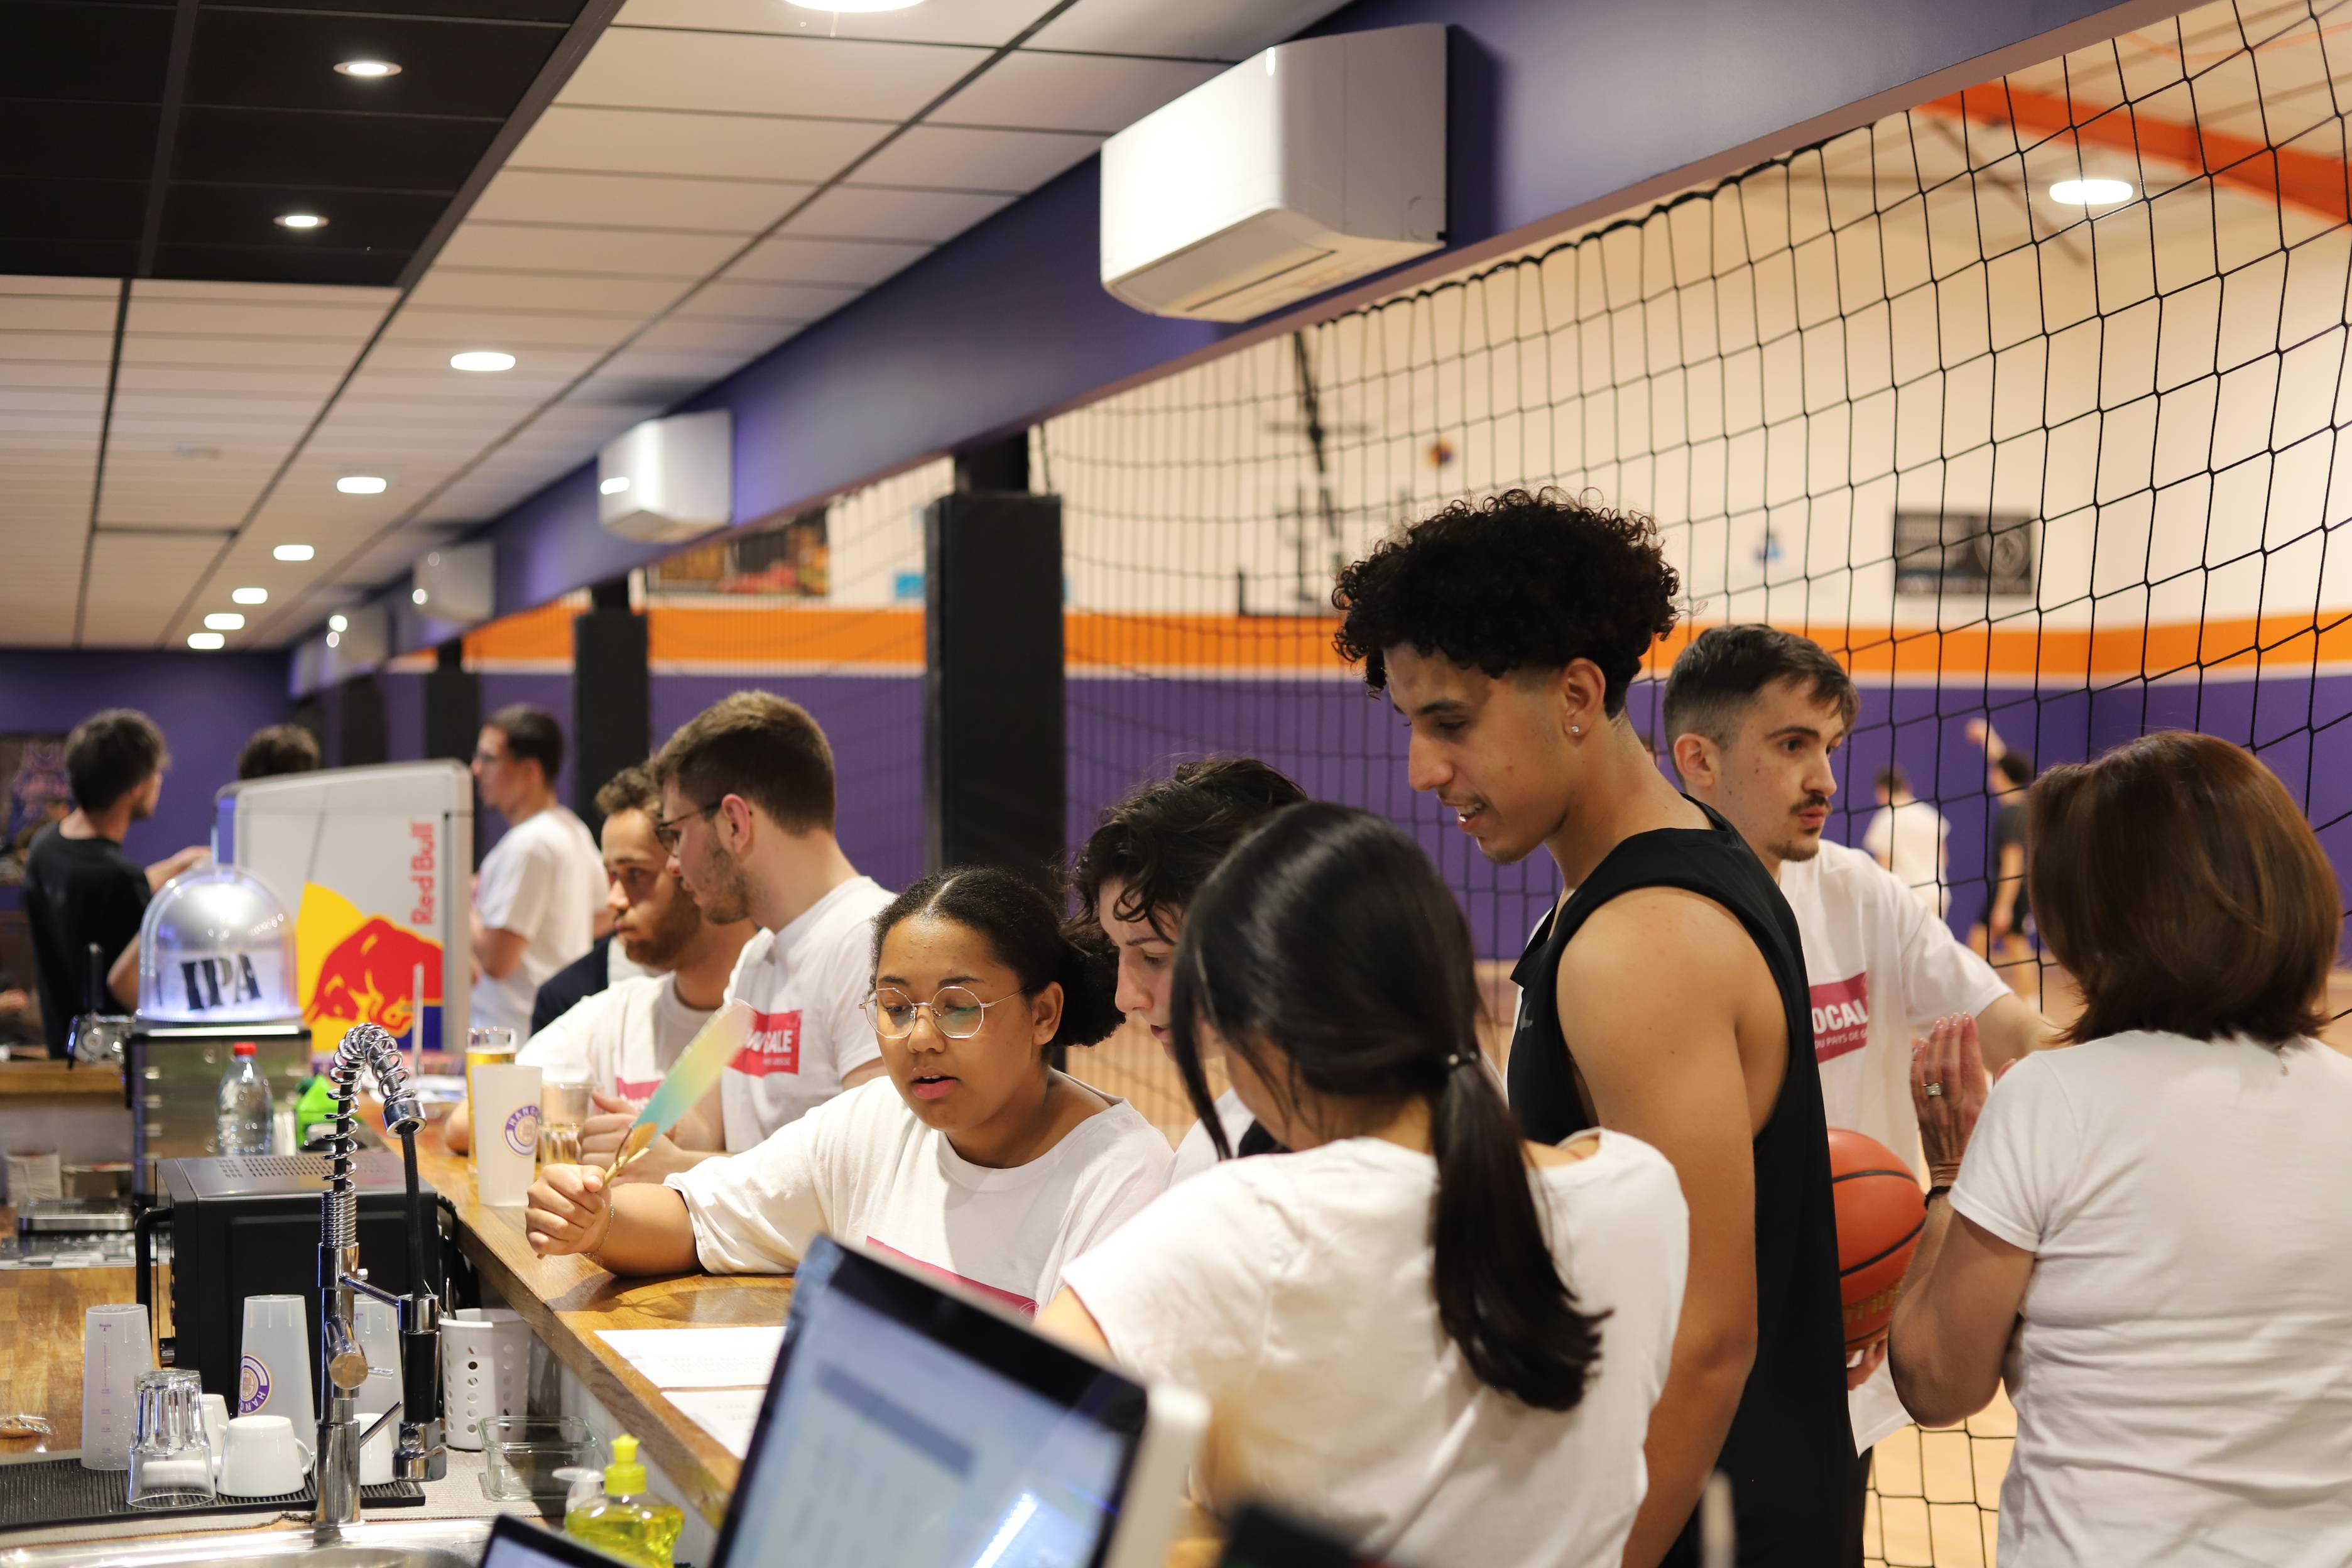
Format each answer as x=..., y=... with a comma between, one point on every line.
x=1940, y=1190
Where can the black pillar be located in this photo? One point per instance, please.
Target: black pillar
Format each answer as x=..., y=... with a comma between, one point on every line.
x=453, y=705
x=361, y=739
x=992, y=717
x=1001, y=465
x=612, y=695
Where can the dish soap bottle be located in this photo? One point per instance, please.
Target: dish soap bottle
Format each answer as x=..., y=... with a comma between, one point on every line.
x=625, y=1522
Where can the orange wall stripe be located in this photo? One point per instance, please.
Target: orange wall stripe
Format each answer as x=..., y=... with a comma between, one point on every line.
x=542, y=634
x=799, y=635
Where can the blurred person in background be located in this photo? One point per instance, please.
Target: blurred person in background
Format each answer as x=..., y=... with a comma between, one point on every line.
x=1911, y=839
x=538, y=899
x=2003, y=932
x=280, y=748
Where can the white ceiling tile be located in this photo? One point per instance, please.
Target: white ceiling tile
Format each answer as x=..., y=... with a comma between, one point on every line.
x=738, y=73
x=348, y=323
x=81, y=347
x=162, y=349
x=149, y=512
x=1071, y=92
x=32, y=621
x=951, y=158
x=355, y=297
x=848, y=213
x=532, y=365
x=218, y=382
x=87, y=400
x=1204, y=29
x=794, y=258
x=620, y=252
x=512, y=330
x=659, y=142
x=27, y=283
x=54, y=422
x=461, y=288
x=636, y=201
x=58, y=313
x=644, y=370
x=984, y=22
x=34, y=375
x=766, y=301
x=717, y=335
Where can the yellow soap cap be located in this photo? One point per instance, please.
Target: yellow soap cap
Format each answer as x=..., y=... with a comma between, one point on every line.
x=625, y=1476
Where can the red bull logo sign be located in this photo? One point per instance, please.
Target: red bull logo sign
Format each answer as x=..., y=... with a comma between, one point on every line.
x=358, y=968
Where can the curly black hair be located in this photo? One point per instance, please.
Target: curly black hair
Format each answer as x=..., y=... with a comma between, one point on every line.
x=1162, y=842
x=1517, y=580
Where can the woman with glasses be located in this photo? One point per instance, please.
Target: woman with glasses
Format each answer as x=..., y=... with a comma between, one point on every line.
x=976, y=1160
x=1438, y=1341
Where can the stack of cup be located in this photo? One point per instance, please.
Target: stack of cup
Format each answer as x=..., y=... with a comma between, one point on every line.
x=506, y=1134
x=115, y=1350
x=171, y=1462
x=273, y=1368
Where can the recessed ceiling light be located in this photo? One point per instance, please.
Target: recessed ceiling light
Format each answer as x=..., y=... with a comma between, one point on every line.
x=614, y=485
x=300, y=220
x=293, y=552
x=416, y=595
x=334, y=639
x=339, y=623
x=362, y=485
x=224, y=621
x=481, y=359
x=249, y=597
x=206, y=640
x=369, y=69
x=854, y=6
x=2091, y=193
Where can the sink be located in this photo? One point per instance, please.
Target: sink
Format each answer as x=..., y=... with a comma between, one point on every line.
x=423, y=1543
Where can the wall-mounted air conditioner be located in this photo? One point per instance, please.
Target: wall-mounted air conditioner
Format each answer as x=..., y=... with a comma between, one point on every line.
x=1300, y=168
x=668, y=480
x=456, y=584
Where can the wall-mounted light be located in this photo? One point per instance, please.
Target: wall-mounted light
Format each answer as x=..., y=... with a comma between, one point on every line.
x=482, y=360
x=248, y=595
x=366, y=70
x=206, y=640
x=293, y=552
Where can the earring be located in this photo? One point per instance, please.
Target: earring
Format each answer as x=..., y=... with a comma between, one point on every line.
x=1576, y=729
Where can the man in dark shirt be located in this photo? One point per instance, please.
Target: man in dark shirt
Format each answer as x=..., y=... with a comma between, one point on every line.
x=2001, y=932
x=80, y=889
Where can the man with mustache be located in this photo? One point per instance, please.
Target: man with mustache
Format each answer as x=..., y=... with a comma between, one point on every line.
x=1751, y=717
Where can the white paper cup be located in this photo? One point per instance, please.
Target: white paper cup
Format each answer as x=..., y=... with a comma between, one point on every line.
x=115, y=1349
x=263, y=1458
x=506, y=1134
x=273, y=1376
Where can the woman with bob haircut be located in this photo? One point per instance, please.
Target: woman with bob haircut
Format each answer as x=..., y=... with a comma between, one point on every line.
x=2150, y=1235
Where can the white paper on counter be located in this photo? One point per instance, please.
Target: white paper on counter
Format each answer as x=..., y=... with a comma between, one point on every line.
x=699, y=1358
x=727, y=1413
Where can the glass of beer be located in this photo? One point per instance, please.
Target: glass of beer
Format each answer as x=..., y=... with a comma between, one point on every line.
x=562, y=1107
x=491, y=1046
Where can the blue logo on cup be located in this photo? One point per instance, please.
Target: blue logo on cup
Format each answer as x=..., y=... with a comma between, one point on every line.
x=522, y=1130
x=252, y=1385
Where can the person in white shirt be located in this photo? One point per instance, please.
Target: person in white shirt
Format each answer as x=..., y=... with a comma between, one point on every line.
x=1138, y=871
x=1432, y=1339
x=540, y=893
x=976, y=1160
x=747, y=816
x=621, y=1040
x=1911, y=839
x=2145, y=1234
x=1752, y=717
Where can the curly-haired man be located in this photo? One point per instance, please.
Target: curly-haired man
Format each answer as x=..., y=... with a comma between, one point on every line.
x=1664, y=997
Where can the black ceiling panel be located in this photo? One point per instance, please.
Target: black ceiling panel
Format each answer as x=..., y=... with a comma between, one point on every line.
x=103, y=212
x=111, y=53
x=287, y=60
x=345, y=151
x=230, y=263
x=37, y=257
x=473, y=10
x=85, y=140
x=246, y=215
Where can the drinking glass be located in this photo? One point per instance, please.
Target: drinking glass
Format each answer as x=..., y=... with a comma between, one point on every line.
x=562, y=1107
x=171, y=1457
x=490, y=1046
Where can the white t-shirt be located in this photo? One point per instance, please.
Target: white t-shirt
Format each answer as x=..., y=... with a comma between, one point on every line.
x=804, y=983
x=1194, y=1152
x=1911, y=836
x=864, y=1168
x=1881, y=969
x=543, y=880
x=2182, y=1363
x=1294, y=1291
x=622, y=1039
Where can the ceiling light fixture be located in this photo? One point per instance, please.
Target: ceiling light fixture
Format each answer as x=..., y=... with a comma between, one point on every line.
x=206, y=640
x=854, y=7
x=334, y=639
x=300, y=220
x=614, y=486
x=362, y=485
x=2091, y=193
x=339, y=623
x=481, y=359
x=224, y=621
x=249, y=597
x=293, y=552
x=370, y=71
x=416, y=595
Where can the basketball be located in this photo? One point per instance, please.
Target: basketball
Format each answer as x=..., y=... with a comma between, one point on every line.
x=1880, y=1211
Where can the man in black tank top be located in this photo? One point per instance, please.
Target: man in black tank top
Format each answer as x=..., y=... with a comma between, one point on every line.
x=1664, y=998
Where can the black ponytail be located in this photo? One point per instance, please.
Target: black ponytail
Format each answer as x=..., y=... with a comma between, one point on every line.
x=1326, y=953
x=1028, y=935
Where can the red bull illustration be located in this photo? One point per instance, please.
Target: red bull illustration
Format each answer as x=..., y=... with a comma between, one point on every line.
x=357, y=968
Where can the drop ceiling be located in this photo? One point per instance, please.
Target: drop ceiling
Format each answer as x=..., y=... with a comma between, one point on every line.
x=689, y=185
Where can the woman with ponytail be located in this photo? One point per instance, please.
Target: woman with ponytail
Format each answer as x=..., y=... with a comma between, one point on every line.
x=971, y=1158
x=1440, y=1341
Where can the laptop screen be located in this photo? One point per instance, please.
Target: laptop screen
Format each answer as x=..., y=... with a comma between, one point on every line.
x=907, y=1426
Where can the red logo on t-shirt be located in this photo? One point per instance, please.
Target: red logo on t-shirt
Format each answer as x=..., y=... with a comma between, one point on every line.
x=640, y=1092
x=1022, y=1304
x=1841, y=1016
x=774, y=1045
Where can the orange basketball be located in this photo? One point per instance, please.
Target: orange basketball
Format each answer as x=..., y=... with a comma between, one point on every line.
x=1879, y=1212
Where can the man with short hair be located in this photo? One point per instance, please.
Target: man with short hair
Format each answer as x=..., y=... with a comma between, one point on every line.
x=80, y=889
x=747, y=815
x=1999, y=932
x=1664, y=997
x=1752, y=716
x=624, y=1039
x=540, y=896
x=280, y=748
x=1911, y=839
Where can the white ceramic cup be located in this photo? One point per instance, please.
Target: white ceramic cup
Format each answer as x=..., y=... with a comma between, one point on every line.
x=261, y=1457
x=216, y=1426
x=506, y=1134
x=273, y=1363
x=115, y=1349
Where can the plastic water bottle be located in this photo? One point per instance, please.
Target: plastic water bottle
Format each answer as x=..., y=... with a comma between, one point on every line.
x=244, y=1121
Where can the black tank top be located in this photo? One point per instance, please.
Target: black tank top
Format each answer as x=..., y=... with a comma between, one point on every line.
x=1790, y=1453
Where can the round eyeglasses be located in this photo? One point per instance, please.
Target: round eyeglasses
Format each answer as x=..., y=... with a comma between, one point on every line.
x=956, y=1012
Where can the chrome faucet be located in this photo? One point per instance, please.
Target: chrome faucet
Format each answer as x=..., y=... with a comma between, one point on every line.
x=421, y=1455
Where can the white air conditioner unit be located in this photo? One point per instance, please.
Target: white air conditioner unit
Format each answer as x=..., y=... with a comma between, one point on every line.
x=1300, y=168
x=456, y=584
x=668, y=480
